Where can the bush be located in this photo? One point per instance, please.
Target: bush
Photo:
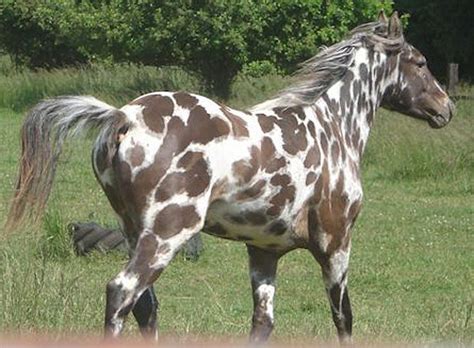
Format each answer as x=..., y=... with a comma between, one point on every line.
x=260, y=68
x=441, y=29
x=214, y=38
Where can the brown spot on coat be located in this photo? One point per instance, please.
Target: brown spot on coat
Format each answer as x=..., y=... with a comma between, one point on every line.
x=355, y=139
x=310, y=178
x=311, y=129
x=346, y=88
x=146, y=250
x=364, y=72
x=189, y=159
x=202, y=128
x=173, y=219
x=217, y=229
x=294, y=135
x=313, y=157
x=236, y=219
x=324, y=143
x=256, y=218
x=275, y=164
x=136, y=155
x=332, y=217
x=194, y=181
x=266, y=122
x=244, y=171
x=156, y=107
x=268, y=161
x=335, y=152
x=219, y=188
x=280, y=180
x=322, y=183
x=327, y=129
x=284, y=196
x=278, y=227
x=185, y=100
x=101, y=161
x=252, y=192
x=268, y=150
x=239, y=126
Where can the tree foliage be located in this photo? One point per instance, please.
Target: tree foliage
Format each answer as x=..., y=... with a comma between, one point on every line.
x=443, y=31
x=214, y=38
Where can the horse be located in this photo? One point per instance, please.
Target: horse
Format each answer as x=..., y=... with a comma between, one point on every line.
x=282, y=175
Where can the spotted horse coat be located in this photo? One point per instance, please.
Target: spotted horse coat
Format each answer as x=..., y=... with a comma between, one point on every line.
x=281, y=176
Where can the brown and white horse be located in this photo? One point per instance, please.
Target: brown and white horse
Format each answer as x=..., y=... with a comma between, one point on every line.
x=281, y=176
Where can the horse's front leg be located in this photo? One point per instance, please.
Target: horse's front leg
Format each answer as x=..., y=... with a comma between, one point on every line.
x=335, y=275
x=334, y=263
x=263, y=265
x=329, y=228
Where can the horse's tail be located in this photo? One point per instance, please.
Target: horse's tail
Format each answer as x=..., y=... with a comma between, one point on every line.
x=43, y=133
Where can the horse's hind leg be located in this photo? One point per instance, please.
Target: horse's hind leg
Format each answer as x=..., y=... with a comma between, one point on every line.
x=145, y=313
x=151, y=256
x=263, y=266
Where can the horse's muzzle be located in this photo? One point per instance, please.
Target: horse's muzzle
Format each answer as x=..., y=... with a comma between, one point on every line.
x=442, y=118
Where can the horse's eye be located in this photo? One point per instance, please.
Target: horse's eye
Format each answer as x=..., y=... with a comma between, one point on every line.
x=421, y=64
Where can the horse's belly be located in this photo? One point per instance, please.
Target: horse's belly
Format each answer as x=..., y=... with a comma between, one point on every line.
x=249, y=223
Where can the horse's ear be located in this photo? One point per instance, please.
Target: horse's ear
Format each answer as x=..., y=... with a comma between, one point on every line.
x=395, y=28
x=382, y=17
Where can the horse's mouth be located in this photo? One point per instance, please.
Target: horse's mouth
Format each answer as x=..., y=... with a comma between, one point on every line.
x=441, y=119
x=438, y=121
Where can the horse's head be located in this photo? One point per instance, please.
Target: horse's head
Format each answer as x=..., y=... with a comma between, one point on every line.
x=414, y=91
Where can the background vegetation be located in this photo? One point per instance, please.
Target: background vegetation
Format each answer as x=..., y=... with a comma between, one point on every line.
x=213, y=38
x=443, y=31
x=218, y=39
x=412, y=268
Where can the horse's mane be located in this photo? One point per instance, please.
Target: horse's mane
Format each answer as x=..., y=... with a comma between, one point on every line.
x=329, y=65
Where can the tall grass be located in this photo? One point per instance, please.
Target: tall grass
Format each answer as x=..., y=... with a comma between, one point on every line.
x=247, y=90
x=55, y=242
x=401, y=148
x=117, y=84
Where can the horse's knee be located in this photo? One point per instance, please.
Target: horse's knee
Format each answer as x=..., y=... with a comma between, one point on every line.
x=120, y=293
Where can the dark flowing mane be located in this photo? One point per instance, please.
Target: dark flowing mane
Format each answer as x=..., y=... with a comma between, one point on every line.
x=329, y=65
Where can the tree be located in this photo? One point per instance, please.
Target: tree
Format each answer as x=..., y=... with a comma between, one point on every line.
x=213, y=38
x=443, y=31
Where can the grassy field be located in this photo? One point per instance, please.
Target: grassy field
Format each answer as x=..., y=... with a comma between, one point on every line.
x=412, y=267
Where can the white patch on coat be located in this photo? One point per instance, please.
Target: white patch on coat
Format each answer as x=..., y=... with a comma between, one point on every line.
x=127, y=282
x=265, y=294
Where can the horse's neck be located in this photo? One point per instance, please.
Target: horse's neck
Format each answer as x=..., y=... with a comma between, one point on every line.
x=351, y=103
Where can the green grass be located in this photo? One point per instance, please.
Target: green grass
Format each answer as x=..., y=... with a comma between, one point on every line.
x=411, y=275
x=116, y=84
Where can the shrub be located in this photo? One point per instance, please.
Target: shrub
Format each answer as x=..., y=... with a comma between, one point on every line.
x=213, y=38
